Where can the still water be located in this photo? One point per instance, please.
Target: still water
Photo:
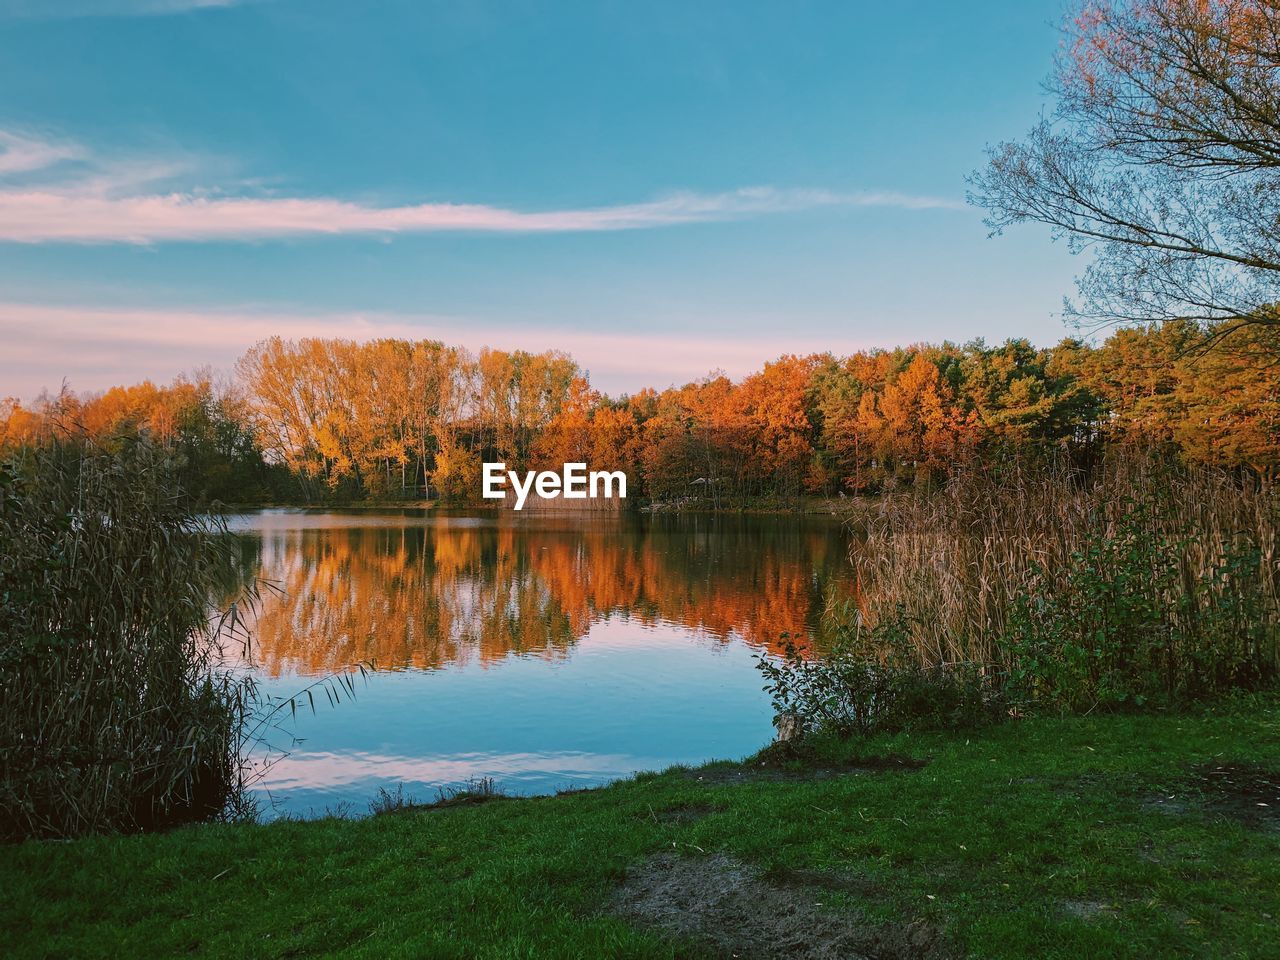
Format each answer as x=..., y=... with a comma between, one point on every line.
x=547, y=652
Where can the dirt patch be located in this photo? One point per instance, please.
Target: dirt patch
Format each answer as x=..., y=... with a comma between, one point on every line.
x=734, y=910
x=1246, y=792
x=772, y=769
x=817, y=881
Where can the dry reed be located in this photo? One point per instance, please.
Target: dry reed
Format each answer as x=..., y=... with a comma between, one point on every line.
x=951, y=562
x=113, y=712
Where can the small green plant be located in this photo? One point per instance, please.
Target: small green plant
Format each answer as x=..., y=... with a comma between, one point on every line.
x=475, y=790
x=865, y=685
x=398, y=800
x=392, y=801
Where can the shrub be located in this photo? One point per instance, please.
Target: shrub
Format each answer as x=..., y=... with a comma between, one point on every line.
x=1126, y=622
x=113, y=714
x=1037, y=581
x=862, y=686
x=1113, y=583
x=956, y=557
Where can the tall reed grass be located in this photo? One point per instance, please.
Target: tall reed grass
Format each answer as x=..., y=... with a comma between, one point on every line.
x=1132, y=556
x=113, y=712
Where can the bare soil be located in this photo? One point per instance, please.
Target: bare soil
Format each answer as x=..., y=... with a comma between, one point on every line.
x=729, y=908
x=1245, y=792
x=1242, y=791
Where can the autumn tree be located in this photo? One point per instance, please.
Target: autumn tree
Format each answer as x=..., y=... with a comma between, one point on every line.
x=19, y=425
x=1231, y=405
x=779, y=405
x=286, y=406
x=615, y=441
x=1021, y=396
x=914, y=425
x=845, y=402
x=566, y=437
x=1220, y=406
x=399, y=418
x=517, y=394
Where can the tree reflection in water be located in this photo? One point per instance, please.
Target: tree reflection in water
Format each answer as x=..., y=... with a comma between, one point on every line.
x=412, y=589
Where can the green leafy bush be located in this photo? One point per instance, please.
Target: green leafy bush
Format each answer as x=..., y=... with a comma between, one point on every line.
x=863, y=686
x=1127, y=622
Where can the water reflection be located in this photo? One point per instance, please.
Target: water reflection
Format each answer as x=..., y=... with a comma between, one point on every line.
x=544, y=651
x=425, y=591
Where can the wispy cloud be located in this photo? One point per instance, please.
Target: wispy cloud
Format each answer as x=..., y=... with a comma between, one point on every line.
x=63, y=9
x=110, y=203
x=95, y=347
x=22, y=153
x=45, y=216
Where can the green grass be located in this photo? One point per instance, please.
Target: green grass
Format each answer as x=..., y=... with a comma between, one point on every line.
x=994, y=839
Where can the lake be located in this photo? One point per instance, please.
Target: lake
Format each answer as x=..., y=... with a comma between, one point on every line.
x=545, y=651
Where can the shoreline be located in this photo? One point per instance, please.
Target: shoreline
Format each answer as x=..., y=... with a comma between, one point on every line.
x=805, y=506
x=1046, y=837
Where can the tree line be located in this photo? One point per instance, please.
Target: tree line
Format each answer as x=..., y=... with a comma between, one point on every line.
x=321, y=419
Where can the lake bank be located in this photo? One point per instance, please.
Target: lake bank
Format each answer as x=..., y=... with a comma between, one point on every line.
x=1103, y=836
x=833, y=506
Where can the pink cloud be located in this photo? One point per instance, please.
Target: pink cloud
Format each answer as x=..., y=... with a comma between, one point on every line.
x=45, y=216
x=96, y=347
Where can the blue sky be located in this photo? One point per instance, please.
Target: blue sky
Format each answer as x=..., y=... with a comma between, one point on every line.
x=662, y=189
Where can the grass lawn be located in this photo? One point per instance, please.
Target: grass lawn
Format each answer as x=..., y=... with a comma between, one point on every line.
x=1081, y=838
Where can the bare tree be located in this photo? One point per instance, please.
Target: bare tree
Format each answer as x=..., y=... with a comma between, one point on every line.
x=1163, y=157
